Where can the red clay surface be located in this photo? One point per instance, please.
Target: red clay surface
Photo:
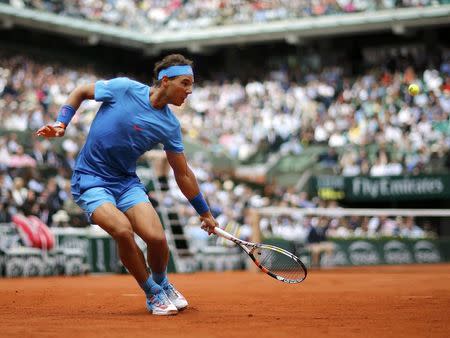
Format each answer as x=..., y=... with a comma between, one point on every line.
x=388, y=301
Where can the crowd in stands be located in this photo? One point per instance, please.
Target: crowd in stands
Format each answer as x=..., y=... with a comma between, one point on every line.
x=325, y=107
x=345, y=227
x=345, y=113
x=34, y=172
x=230, y=203
x=150, y=15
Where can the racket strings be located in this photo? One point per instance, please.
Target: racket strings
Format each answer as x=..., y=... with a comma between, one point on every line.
x=279, y=263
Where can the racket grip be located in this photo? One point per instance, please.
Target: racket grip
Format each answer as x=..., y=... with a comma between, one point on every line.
x=222, y=233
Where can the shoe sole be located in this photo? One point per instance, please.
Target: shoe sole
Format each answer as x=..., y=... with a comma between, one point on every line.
x=165, y=313
x=169, y=313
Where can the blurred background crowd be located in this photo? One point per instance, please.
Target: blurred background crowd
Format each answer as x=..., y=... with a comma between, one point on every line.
x=351, y=104
x=326, y=107
x=284, y=110
x=150, y=15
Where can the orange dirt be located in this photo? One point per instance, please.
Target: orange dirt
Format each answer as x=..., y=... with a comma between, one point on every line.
x=406, y=301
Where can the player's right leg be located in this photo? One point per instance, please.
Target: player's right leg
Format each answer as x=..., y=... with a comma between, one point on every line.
x=113, y=221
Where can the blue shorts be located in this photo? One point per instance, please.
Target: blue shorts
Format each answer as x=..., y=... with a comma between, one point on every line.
x=90, y=192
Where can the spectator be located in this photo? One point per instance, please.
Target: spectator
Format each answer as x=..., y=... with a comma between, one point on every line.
x=5, y=216
x=317, y=240
x=19, y=159
x=329, y=159
x=409, y=229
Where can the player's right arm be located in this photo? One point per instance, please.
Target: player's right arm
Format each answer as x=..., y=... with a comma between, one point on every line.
x=78, y=95
x=102, y=91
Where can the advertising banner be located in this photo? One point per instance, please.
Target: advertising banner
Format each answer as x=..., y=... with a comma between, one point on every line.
x=348, y=252
x=362, y=188
x=385, y=251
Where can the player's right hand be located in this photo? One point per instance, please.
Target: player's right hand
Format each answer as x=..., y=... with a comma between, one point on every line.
x=208, y=223
x=51, y=131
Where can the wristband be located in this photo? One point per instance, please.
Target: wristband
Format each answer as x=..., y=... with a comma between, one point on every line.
x=65, y=114
x=199, y=204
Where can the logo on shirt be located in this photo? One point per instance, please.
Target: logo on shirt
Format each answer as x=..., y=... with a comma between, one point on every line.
x=137, y=128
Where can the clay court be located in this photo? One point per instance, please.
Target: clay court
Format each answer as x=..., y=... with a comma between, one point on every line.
x=406, y=301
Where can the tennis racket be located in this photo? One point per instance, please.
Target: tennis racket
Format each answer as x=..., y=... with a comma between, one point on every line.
x=276, y=262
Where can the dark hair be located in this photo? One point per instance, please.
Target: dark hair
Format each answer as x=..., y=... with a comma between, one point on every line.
x=168, y=61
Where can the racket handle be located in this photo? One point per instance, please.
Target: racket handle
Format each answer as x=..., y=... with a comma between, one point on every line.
x=222, y=233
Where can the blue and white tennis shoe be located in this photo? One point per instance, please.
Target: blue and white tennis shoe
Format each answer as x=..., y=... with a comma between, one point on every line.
x=159, y=304
x=174, y=295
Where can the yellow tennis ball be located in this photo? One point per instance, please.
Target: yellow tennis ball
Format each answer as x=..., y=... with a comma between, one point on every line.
x=413, y=89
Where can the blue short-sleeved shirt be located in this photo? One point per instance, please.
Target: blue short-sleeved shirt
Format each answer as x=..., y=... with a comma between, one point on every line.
x=125, y=127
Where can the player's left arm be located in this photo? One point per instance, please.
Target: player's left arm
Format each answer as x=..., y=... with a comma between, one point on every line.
x=189, y=187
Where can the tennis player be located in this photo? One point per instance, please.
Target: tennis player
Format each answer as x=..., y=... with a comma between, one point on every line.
x=132, y=119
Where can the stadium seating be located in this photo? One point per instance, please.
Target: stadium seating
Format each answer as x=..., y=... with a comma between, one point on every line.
x=151, y=15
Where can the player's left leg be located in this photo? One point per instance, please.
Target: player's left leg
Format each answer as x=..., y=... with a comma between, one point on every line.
x=147, y=225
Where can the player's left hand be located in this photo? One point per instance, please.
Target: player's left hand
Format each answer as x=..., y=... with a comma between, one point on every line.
x=51, y=131
x=208, y=223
